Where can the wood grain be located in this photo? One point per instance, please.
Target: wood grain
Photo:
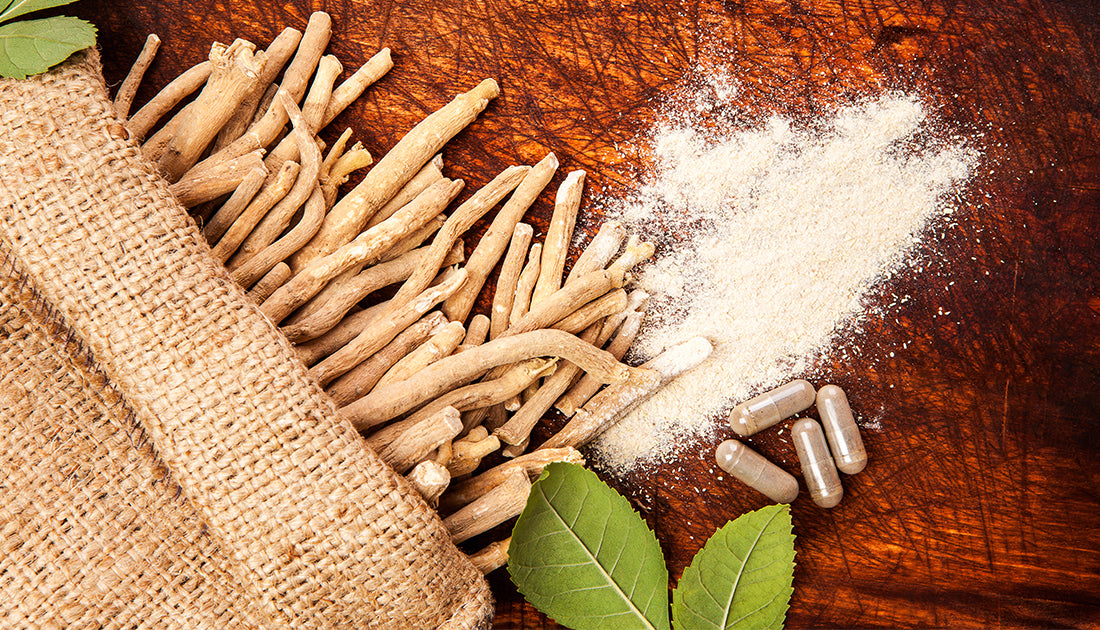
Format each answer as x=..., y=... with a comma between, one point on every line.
x=981, y=503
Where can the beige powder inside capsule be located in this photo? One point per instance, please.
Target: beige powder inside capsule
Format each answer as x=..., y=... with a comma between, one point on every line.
x=781, y=231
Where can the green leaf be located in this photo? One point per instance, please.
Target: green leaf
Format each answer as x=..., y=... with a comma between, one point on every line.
x=15, y=8
x=580, y=554
x=742, y=577
x=33, y=46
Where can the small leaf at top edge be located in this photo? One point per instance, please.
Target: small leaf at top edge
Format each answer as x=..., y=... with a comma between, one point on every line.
x=742, y=576
x=15, y=8
x=584, y=557
x=33, y=46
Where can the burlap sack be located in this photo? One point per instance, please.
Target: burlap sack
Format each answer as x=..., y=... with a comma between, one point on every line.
x=165, y=462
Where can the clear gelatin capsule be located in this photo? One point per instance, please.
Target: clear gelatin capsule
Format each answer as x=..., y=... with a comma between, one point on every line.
x=841, y=430
x=767, y=409
x=756, y=472
x=818, y=469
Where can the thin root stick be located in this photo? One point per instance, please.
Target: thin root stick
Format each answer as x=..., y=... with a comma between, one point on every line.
x=607, y=406
x=635, y=252
x=314, y=350
x=416, y=239
x=348, y=163
x=565, y=301
x=124, y=98
x=429, y=174
x=272, y=280
x=611, y=303
x=468, y=453
x=246, y=191
x=201, y=185
x=585, y=388
x=335, y=152
x=492, y=556
x=524, y=285
x=476, y=333
x=599, y=252
x=441, y=344
x=351, y=89
x=500, y=504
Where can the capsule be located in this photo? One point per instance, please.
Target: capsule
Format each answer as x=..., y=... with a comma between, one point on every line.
x=818, y=469
x=751, y=469
x=841, y=430
x=767, y=409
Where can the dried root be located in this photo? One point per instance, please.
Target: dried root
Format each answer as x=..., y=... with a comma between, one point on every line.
x=431, y=393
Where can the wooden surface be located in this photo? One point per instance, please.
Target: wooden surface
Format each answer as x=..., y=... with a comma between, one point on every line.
x=980, y=505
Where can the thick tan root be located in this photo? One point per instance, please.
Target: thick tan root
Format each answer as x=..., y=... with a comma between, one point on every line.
x=382, y=330
x=272, y=192
x=387, y=402
x=531, y=463
x=366, y=247
x=560, y=233
x=493, y=243
x=502, y=503
x=351, y=214
x=430, y=479
x=412, y=445
x=359, y=381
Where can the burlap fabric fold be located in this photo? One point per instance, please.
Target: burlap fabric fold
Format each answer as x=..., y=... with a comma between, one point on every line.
x=165, y=461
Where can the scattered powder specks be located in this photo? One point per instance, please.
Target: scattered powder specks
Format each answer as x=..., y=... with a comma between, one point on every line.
x=777, y=232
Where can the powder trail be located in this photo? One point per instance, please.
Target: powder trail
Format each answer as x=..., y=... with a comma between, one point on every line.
x=779, y=234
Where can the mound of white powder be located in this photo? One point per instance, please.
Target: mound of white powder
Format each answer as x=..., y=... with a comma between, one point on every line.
x=777, y=234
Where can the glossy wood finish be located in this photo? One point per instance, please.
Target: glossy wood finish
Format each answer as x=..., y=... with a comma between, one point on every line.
x=980, y=506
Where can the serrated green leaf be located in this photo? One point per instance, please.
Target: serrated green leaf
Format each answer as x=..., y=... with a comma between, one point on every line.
x=15, y=8
x=583, y=556
x=33, y=46
x=742, y=577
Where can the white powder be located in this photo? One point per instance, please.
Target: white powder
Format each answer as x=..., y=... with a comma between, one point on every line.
x=778, y=232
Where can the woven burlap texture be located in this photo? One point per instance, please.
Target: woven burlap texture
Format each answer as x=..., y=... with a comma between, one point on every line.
x=165, y=461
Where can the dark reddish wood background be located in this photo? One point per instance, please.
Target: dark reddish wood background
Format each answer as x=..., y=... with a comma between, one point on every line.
x=981, y=504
